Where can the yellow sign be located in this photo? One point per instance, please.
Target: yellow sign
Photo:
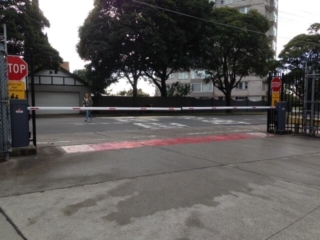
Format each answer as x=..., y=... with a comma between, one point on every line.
x=17, y=90
x=275, y=98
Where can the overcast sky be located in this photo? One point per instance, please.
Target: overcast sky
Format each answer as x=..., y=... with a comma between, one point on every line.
x=66, y=16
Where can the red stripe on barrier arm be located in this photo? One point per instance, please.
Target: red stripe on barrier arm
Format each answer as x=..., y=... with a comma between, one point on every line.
x=254, y=107
x=214, y=108
x=235, y=108
x=76, y=108
x=171, y=109
x=34, y=108
x=112, y=109
x=143, y=109
x=191, y=108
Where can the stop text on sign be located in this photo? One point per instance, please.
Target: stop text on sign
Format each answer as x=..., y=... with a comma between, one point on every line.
x=17, y=68
x=276, y=84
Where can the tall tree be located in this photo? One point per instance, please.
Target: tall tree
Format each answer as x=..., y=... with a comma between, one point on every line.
x=25, y=24
x=300, y=52
x=134, y=40
x=178, y=89
x=235, y=46
x=302, y=49
x=173, y=38
x=95, y=46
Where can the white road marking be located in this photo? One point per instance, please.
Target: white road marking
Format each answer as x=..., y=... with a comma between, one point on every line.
x=78, y=148
x=216, y=121
x=53, y=142
x=160, y=126
x=215, y=132
x=137, y=119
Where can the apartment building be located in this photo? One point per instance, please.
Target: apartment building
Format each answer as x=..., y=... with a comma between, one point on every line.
x=252, y=87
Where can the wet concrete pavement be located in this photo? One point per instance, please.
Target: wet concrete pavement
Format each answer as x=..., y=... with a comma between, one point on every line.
x=262, y=187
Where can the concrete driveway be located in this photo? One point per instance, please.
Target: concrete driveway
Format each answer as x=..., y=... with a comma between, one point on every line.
x=198, y=183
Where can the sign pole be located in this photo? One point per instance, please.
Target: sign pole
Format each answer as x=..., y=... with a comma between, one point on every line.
x=33, y=103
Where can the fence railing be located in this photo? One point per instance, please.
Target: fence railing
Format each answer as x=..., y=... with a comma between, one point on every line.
x=5, y=129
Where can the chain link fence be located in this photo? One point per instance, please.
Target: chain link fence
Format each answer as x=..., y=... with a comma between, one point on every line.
x=5, y=129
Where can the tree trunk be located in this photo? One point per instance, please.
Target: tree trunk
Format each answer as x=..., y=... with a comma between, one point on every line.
x=228, y=101
x=163, y=89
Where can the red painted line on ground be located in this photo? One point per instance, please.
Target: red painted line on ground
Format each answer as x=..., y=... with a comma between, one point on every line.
x=161, y=142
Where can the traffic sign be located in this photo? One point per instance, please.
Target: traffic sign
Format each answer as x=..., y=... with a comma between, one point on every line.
x=276, y=84
x=17, y=68
x=17, y=90
x=275, y=98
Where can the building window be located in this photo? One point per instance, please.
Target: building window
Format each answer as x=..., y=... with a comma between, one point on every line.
x=171, y=76
x=182, y=75
x=274, y=31
x=202, y=87
x=207, y=87
x=275, y=3
x=200, y=74
x=196, y=87
x=244, y=10
x=225, y=2
x=274, y=17
x=242, y=86
x=241, y=98
x=274, y=45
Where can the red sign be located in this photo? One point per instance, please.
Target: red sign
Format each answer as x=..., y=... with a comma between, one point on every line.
x=276, y=84
x=17, y=68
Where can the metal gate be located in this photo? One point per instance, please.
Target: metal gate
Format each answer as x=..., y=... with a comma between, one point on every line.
x=5, y=130
x=301, y=91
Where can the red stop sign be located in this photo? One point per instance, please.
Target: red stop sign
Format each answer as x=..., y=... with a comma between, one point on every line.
x=276, y=84
x=17, y=68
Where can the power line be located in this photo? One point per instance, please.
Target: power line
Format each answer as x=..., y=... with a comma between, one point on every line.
x=194, y=17
x=211, y=21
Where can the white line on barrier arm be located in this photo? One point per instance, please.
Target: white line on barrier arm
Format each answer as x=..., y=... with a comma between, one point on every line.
x=105, y=108
x=145, y=108
x=226, y=108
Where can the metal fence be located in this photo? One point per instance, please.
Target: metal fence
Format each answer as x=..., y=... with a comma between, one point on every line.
x=164, y=102
x=301, y=93
x=5, y=130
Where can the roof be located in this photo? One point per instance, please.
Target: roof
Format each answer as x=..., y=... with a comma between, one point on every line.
x=66, y=72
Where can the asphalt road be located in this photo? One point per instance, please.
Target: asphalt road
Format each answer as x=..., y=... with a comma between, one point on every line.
x=77, y=124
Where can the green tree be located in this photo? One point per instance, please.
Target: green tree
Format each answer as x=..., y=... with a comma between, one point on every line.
x=234, y=49
x=25, y=24
x=302, y=49
x=132, y=40
x=97, y=81
x=300, y=52
x=178, y=89
x=112, y=42
x=81, y=73
x=173, y=40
